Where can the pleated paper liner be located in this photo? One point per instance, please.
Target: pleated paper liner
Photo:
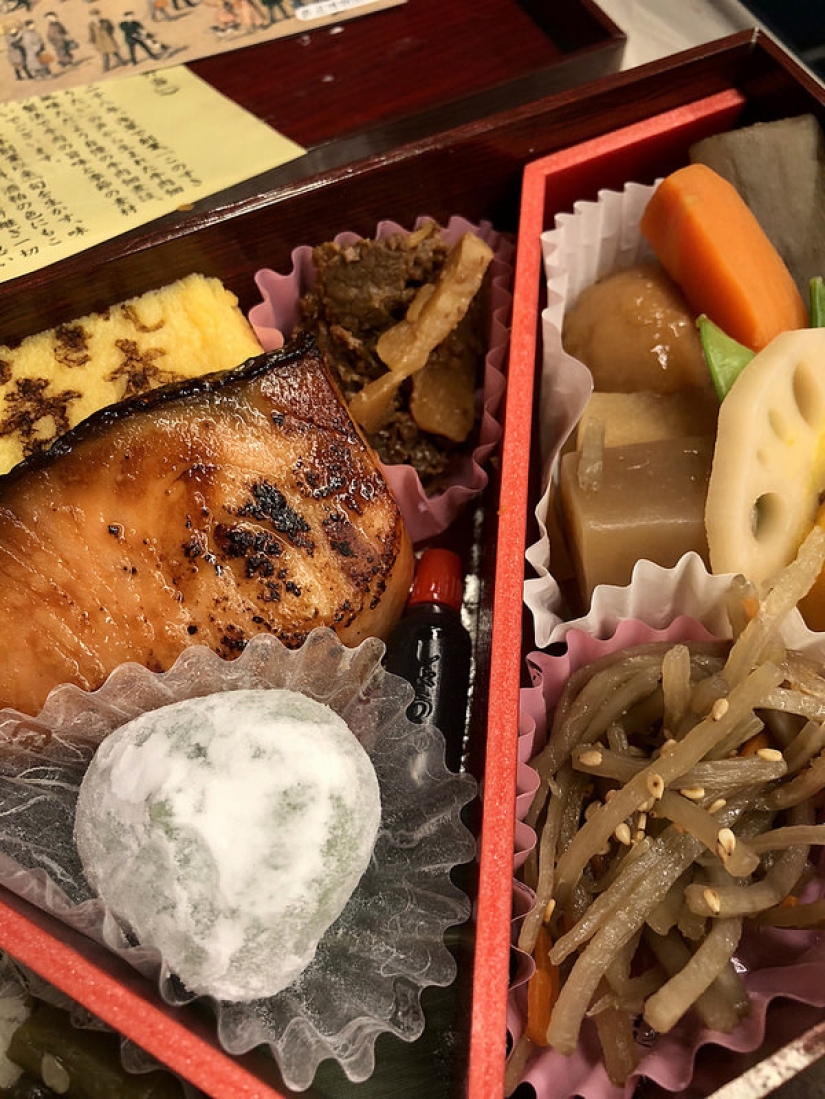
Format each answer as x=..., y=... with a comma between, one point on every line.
x=388, y=944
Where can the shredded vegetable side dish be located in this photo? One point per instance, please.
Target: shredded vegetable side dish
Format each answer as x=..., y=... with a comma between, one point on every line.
x=678, y=799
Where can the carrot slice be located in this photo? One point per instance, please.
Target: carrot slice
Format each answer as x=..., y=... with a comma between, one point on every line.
x=542, y=990
x=812, y=605
x=755, y=744
x=711, y=244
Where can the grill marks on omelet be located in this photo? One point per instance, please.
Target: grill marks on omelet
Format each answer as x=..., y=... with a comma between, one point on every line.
x=38, y=410
x=55, y=379
x=35, y=412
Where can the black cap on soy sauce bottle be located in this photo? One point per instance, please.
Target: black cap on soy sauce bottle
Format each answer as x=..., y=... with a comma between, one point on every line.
x=432, y=650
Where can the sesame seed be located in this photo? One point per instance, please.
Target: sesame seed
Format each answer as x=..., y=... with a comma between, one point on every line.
x=719, y=709
x=770, y=755
x=592, y=757
x=725, y=843
x=622, y=833
x=693, y=793
x=720, y=803
x=655, y=785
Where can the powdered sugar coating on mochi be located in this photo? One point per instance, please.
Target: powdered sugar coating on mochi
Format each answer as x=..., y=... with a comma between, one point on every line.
x=229, y=832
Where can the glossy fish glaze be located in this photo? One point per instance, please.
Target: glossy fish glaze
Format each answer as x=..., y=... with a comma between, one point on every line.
x=201, y=513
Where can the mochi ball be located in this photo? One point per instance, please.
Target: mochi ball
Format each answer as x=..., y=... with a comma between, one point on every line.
x=229, y=832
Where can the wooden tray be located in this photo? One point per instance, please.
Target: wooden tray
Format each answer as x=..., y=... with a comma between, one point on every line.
x=475, y=170
x=422, y=58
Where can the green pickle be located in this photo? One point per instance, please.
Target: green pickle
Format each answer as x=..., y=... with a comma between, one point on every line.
x=80, y=1064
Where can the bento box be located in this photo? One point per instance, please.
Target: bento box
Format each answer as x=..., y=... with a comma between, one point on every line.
x=582, y=177
x=476, y=171
x=545, y=48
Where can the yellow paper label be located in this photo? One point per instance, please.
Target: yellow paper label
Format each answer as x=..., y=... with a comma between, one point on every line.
x=84, y=165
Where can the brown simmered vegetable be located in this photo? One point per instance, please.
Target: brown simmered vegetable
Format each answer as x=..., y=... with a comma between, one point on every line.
x=365, y=289
x=435, y=311
x=703, y=766
x=634, y=331
x=442, y=398
x=203, y=513
x=778, y=168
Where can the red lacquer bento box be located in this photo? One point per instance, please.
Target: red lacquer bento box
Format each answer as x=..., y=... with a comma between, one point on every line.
x=515, y=169
x=576, y=176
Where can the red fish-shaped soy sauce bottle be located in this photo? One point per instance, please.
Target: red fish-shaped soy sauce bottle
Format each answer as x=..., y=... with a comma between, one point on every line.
x=432, y=650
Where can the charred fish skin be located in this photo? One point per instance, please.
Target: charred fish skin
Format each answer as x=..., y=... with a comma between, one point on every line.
x=201, y=513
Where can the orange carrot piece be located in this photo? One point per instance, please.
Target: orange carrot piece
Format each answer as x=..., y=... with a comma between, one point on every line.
x=812, y=605
x=542, y=990
x=755, y=744
x=711, y=244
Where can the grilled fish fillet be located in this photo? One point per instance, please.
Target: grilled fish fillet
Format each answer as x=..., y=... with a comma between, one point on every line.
x=203, y=512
